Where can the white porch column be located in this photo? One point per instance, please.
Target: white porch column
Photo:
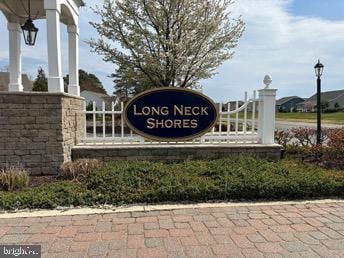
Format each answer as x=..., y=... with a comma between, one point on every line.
x=73, y=45
x=267, y=112
x=55, y=81
x=15, y=82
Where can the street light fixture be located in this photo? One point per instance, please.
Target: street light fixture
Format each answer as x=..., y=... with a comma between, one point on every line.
x=29, y=29
x=319, y=68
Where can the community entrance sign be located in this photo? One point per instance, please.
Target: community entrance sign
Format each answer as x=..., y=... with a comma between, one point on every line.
x=171, y=114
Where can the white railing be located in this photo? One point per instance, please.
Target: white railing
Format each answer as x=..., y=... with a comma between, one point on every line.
x=238, y=126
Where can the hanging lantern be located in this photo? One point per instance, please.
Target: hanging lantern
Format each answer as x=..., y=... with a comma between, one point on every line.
x=29, y=29
x=29, y=32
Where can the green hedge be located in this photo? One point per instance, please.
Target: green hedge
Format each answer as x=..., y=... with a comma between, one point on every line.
x=235, y=178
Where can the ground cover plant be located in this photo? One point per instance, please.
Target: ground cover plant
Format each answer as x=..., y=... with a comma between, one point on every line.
x=234, y=178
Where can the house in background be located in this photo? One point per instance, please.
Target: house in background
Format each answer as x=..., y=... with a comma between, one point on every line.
x=233, y=106
x=92, y=93
x=332, y=99
x=5, y=79
x=230, y=104
x=288, y=104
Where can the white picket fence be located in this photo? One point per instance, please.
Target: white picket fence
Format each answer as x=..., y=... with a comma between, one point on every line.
x=239, y=126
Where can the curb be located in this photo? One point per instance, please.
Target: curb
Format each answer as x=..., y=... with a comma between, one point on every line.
x=148, y=208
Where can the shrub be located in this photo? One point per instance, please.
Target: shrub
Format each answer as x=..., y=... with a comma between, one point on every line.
x=330, y=110
x=329, y=155
x=324, y=156
x=13, y=178
x=79, y=169
x=283, y=137
x=336, y=138
x=305, y=136
x=294, y=149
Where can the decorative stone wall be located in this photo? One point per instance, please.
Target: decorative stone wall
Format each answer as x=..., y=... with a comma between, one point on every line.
x=38, y=130
x=174, y=152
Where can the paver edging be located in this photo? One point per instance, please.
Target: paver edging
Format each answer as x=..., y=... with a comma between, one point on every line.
x=146, y=208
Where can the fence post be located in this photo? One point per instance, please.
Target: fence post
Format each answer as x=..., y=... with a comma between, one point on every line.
x=267, y=113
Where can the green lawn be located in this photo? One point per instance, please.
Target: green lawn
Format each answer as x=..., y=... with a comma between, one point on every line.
x=330, y=118
x=334, y=118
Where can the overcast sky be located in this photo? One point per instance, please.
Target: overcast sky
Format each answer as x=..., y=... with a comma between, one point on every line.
x=283, y=38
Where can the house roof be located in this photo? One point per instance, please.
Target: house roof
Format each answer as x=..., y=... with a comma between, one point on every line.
x=106, y=98
x=240, y=102
x=286, y=99
x=5, y=79
x=307, y=102
x=101, y=95
x=327, y=96
x=91, y=86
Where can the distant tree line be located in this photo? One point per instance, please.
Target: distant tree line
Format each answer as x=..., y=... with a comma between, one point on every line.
x=41, y=82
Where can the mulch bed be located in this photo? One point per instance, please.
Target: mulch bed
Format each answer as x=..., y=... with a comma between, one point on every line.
x=40, y=180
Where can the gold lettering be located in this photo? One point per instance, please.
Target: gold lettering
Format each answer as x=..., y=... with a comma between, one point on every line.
x=186, y=123
x=194, y=123
x=151, y=124
x=169, y=123
x=178, y=110
x=177, y=123
x=146, y=111
x=164, y=111
x=155, y=111
x=158, y=124
x=187, y=111
x=195, y=111
x=136, y=113
x=204, y=111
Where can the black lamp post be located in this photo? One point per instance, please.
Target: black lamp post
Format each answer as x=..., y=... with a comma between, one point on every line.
x=29, y=29
x=319, y=68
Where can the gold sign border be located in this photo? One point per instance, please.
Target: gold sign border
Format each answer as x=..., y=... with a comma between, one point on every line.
x=180, y=139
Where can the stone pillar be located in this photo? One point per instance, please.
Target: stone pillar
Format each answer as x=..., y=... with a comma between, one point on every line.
x=15, y=82
x=39, y=129
x=267, y=113
x=73, y=45
x=55, y=81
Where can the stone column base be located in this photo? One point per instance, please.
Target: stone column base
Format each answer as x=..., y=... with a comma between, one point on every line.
x=38, y=130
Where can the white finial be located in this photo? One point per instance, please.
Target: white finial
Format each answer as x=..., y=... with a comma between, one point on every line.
x=267, y=81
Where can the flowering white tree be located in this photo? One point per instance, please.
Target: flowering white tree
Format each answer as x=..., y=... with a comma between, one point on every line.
x=167, y=42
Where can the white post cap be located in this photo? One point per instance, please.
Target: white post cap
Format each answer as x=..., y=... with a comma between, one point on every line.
x=267, y=81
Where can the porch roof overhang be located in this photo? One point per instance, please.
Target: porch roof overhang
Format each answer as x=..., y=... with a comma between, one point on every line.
x=17, y=10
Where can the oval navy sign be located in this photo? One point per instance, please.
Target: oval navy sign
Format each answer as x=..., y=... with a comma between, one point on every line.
x=171, y=114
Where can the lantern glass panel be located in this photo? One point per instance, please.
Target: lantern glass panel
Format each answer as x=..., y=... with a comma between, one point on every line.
x=29, y=33
x=319, y=68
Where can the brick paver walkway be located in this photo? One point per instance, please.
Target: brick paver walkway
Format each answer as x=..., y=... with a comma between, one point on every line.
x=310, y=230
